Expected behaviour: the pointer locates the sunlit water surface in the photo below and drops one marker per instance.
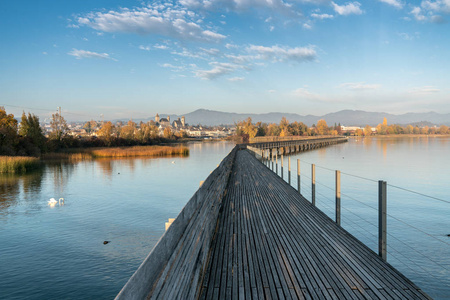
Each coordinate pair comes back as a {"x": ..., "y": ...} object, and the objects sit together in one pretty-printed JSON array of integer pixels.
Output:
[
  {"x": 418, "y": 226},
  {"x": 58, "y": 252}
]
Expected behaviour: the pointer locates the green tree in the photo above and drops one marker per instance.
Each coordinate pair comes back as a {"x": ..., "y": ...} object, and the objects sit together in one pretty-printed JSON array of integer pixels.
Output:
[
  {"x": 8, "y": 133},
  {"x": 30, "y": 128}
]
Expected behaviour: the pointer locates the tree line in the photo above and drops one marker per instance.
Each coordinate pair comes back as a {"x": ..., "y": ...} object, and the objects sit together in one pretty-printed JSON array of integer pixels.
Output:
[
  {"x": 246, "y": 129},
  {"x": 28, "y": 138}
]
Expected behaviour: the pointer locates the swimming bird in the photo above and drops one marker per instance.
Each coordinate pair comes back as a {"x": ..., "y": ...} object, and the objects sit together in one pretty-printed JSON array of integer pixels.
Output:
[
  {"x": 105, "y": 242},
  {"x": 173, "y": 162},
  {"x": 52, "y": 202},
  {"x": 61, "y": 199}
]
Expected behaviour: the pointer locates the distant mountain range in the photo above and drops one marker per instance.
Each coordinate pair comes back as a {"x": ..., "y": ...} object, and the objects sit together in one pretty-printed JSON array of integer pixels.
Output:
[{"x": 344, "y": 117}]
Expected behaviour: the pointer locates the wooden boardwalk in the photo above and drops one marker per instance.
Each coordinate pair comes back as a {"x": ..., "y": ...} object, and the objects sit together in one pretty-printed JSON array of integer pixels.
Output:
[{"x": 271, "y": 243}]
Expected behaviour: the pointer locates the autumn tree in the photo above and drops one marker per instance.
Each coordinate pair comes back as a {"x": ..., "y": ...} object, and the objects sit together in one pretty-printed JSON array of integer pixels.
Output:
[
  {"x": 284, "y": 127},
  {"x": 168, "y": 134},
  {"x": 127, "y": 131},
  {"x": 106, "y": 133},
  {"x": 443, "y": 129},
  {"x": 367, "y": 130},
  {"x": 90, "y": 126},
  {"x": 246, "y": 128},
  {"x": 59, "y": 127},
  {"x": 273, "y": 130},
  {"x": 322, "y": 127}
]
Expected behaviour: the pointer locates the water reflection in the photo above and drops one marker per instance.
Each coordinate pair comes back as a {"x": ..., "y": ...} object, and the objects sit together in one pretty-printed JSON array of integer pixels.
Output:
[{"x": 12, "y": 186}]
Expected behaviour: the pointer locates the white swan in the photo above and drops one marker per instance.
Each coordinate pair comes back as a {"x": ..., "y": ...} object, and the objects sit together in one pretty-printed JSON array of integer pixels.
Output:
[{"x": 52, "y": 202}]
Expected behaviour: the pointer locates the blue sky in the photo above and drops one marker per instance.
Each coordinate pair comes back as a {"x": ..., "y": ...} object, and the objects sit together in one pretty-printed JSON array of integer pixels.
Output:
[{"x": 133, "y": 59}]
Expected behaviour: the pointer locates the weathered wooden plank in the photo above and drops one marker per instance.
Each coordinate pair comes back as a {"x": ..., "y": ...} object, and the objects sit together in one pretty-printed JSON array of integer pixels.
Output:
[{"x": 270, "y": 243}]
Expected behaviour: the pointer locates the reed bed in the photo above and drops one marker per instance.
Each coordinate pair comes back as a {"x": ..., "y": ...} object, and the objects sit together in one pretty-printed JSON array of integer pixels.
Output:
[
  {"x": 18, "y": 164},
  {"x": 118, "y": 152},
  {"x": 141, "y": 151}
]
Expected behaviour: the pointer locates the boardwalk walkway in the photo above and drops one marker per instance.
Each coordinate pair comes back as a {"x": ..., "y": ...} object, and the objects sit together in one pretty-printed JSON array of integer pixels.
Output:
[{"x": 272, "y": 243}]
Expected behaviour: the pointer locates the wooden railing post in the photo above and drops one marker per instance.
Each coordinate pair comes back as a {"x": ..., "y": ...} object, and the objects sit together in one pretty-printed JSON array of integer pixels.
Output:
[
  {"x": 382, "y": 230},
  {"x": 273, "y": 167},
  {"x": 313, "y": 184},
  {"x": 276, "y": 162},
  {"x": 338, "y": 197},
  {"x": 298, "y": 176},
  {"x": 282, "y": 169},
  {"x": 289, "y": 170}
]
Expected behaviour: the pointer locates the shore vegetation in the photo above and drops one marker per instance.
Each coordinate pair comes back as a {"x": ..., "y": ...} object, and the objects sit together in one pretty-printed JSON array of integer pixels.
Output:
[{"x": 18, "y": 164}]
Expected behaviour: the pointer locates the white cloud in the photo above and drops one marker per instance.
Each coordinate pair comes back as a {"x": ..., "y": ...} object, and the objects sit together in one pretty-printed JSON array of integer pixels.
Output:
[
  {"x": 348, "y": 9},
  {"x": 322, "y": 16},
  {"x": 172, "y": 67},
  {"x": 439, "y": 6},
  {"x": 360, "y": 86},
  {"x": 307, "y": 26},
  {"x": 304, "y": 93},
  {"x": 218, "y": 69},
  {"x": 241, "y": 5},
  {"x": 277, "y": 53},
  {"x": 211, "y": 51},
  {"x": 146, "y": 48},
  {"x": 394, "y": 3},
  {"x": 271, "y": 91},
  {"x": 160, "y": 47},
  {"x": 424, "y": 90},
  {"x": 79, "y": 54},
  {"x": 159, "y": 19},
  {"x": 44, "y": 53},
  {"x": 236, "y": 79},
  {"x": 417, "y": 13}
]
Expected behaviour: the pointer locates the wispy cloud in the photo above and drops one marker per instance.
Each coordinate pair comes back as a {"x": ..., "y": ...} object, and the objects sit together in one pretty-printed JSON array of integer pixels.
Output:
[
  {"x": 394, "y": 3},
  {"x": 157, "y": 18},
  {"x": 350, "y": 8},
  {"x": 218, "y": 69},
  {"x": 322, "y": 16},
  {"x": 306, "y": 94},
  {"x": 79, "y": 54},
  {"x": 278, "y": 53},
  {"x": 359, "y": 86},
  {"x": 236, "y": 79},
  {"x": 242, "y": 5},
  {"x": 424, "y": 90}
]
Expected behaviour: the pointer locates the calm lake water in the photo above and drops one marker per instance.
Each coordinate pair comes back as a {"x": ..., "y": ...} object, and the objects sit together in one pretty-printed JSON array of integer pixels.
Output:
[{"x": 58, "y": 252}]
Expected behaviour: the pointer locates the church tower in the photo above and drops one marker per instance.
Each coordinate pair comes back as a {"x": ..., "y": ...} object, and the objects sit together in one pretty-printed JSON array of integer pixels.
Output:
[
  {"x": 157, "y": 118},
  {"x": 183, "y": 121}
]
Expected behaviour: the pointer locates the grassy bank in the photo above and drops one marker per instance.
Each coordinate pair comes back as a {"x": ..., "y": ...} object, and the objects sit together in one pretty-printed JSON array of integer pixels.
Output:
[
  {"x": 116, "y": 152},
  {"x": 18, "y": 164}
]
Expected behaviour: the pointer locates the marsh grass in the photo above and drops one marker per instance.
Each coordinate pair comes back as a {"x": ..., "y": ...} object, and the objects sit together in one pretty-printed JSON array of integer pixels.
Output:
[
  {"x": 18, "y": 164},
  {"x": 116, "y": 152}
]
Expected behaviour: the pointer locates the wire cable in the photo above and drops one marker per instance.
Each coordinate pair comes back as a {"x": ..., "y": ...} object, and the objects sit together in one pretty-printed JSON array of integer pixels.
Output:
[{"x": 417, "y": 193}]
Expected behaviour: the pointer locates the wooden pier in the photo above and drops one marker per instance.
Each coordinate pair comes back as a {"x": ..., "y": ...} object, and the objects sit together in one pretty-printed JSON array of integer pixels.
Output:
[{"x": 250, "y": 235}]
